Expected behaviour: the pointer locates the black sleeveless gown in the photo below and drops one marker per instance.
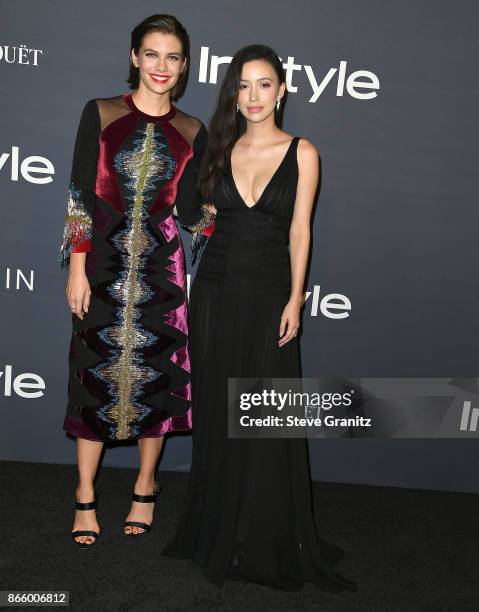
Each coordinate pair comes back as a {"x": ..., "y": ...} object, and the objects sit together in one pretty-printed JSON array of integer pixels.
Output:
[{"x": 248, "y": 508}]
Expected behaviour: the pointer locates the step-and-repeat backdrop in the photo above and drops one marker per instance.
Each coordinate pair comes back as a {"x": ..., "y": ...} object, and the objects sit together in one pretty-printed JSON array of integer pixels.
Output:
[{"x": 386, "y": 90}]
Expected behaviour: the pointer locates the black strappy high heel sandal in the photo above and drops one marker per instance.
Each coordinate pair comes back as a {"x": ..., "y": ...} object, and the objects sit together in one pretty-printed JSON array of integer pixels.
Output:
[
  {"x": 84, "y": 532},
  {"x": 145, "y": 499}
]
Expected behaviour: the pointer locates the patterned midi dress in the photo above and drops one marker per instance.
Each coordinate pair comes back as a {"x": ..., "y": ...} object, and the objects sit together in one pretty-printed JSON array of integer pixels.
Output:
[{"x": 129, "y": 364}]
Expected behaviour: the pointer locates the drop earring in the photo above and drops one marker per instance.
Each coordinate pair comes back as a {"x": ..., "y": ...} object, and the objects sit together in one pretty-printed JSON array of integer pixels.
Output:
[
  {"x": 277, "y": 103},
  {"x": 237, "y": 107}
]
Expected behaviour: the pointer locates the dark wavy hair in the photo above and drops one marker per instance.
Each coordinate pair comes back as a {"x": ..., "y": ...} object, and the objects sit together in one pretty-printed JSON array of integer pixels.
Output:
[
  {"x": 227, "y": 125},
  {"x": 167, "y": 24}
]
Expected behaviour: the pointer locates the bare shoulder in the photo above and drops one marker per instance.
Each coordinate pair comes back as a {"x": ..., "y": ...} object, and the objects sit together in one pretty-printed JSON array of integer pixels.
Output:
[
  {"x": 309, "y": 160},
  {"x": 308, "y": 152}
]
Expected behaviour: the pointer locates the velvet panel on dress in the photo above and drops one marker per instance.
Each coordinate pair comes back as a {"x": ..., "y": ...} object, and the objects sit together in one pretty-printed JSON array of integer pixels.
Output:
[{"x": 129, "y": 359}]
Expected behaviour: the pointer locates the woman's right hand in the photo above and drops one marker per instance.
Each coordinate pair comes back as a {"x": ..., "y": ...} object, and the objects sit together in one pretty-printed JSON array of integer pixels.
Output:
[{"x": 78, "y": 289}]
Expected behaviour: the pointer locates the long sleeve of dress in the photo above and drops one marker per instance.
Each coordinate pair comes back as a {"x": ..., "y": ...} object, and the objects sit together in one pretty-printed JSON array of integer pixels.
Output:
[
  {"x": 191, "y": 214},
  {"x": 81, "y": 194}
]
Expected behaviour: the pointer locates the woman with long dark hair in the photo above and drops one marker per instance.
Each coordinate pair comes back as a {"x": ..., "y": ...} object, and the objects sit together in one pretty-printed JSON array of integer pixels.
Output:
[
  {"x": 248, "y": 506},
  {"x": 129, "y": 359}
]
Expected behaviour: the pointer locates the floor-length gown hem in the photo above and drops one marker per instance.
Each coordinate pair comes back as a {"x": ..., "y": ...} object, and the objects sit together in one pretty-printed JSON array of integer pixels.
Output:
[{"x": 248, "y": 509}]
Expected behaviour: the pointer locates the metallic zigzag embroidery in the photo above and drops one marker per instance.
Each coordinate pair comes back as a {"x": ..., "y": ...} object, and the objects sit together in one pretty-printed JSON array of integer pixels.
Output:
[{"x": 142, "y": 169}]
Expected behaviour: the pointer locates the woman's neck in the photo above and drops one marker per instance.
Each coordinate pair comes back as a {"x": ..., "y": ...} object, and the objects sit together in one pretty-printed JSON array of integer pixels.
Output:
[
  {"x": 257, "y": 134},
  {"x": 151, "y": 103}
]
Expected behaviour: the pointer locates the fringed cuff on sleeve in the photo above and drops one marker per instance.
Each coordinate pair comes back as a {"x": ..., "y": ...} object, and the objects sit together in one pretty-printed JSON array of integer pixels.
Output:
[
  {"x": 77, "y": 230},
  {"x": 202, "y": 230},
  {"x": 207, "y": 219}
]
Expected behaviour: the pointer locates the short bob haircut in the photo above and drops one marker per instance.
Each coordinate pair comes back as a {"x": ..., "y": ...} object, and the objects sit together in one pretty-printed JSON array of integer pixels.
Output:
[{"x": 167, "y": 24}]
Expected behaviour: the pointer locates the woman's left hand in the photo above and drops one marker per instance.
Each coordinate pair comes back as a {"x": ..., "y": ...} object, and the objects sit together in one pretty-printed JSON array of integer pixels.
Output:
[{"x": 289, "y": 325}]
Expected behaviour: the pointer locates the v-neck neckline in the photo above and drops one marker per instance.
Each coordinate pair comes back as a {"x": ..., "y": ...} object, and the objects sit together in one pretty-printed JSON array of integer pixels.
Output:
[{"x": 267, "y": 184}]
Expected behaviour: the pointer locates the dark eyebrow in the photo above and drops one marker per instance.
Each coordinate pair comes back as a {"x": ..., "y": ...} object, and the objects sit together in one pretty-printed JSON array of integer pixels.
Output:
[
  {"x": 261, "y": 79},
  {"x": 170, "y": 53}
]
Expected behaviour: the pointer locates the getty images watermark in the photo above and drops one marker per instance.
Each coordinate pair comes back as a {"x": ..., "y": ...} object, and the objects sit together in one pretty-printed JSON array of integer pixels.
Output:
[{"x": 353, "y": 407}]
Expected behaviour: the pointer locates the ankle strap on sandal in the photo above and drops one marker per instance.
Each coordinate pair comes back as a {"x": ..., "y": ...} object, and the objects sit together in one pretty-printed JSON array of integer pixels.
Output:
[
  {"x": 146, "y": 499},
  {"x": 86, "y": 506}
]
